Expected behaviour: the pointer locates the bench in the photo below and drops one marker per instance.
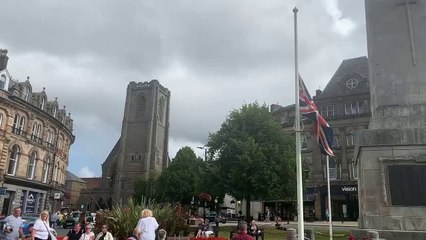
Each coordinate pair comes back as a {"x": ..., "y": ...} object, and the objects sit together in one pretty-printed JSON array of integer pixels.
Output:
[{"x": 194, "y": 229}]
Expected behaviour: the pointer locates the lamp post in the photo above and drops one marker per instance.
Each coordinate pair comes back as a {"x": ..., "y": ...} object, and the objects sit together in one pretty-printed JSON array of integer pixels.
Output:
[
  {"x": 205, "y": 205},
  {"x": 205, "y": 151},
  {"x": 215, "y": 204}
]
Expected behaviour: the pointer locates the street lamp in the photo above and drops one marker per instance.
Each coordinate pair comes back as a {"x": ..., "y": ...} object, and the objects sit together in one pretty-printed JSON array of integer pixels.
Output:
[
  {"x": 215, "y": 204},
  {"x": 205, "y": 151}
]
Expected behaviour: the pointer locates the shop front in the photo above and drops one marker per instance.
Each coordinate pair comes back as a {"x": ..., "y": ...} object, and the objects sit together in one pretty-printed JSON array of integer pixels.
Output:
[{"x": 344, "y": 202}]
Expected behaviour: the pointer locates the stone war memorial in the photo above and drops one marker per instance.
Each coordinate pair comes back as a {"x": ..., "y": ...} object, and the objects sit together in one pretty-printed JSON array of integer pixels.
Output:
[{"x": 391, "y": 154}]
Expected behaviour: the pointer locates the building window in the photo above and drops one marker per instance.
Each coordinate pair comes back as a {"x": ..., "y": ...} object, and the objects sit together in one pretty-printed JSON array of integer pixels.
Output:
[
  {"x": 161, "y": 106},
  {"x": 335, "y": 169},
  {"x": 60, "y": 143},
  {"x": 141, "y": 106},
  {"x": 46, "y": 165},
  {"x": 42, "y": 103},
  {"x": 3, "y": 82},
  {"x": 31, "y": 165},
  {"x": 55, "y": 173},
  {"x": 1, "y": 119},
  {"x": 354, "y": 171},
  {"x": 13, "y": 160},
  {"x": 18, "y": 124},
  {"x": 354, "y": 108},
  {"x": 350, "y": 139},
  {"x": 329, "y": 110},
  {"x": 336, "y": 141},
  {"x": 49, "y": 136},
  {"x": 38, "y": 133},
  {"x": 352, "y": 83},
  {"x": 34, "y": 132},
  {"x": 26, "y": 93}
]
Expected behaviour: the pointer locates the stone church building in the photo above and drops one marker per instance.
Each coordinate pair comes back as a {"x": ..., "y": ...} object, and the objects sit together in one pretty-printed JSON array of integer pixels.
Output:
[{"x": 143, "y": 146}]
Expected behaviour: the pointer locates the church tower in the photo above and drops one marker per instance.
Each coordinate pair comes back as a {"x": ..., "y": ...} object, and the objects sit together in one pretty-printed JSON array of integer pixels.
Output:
[{"x": 143, "y": 146}]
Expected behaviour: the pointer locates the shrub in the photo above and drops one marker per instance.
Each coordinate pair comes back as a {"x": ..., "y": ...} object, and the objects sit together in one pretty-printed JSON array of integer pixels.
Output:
[{"x": 123, "y": 219}]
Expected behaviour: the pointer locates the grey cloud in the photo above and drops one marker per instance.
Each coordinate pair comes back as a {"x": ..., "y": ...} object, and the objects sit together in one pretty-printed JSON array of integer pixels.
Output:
[{"x": 212, "y": 55}]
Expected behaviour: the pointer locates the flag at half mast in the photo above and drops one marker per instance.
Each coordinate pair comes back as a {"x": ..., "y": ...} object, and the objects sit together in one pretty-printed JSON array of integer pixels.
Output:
[{"x": 322, "y": 130}]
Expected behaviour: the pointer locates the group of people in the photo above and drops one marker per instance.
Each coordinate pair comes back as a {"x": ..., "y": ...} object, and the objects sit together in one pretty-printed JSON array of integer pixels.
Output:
[{"x": 41, "y": 230}]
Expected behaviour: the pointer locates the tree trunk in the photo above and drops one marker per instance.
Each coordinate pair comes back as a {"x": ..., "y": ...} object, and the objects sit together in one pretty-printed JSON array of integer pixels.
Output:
[{"x": 248, "y": 200}]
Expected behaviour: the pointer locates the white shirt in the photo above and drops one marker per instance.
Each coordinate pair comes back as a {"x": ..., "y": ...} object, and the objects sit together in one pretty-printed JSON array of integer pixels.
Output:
[
  {"x": 147, "y": 226},
  {"x": 41, "y": 228},
  {"x": 16, "y": 223},
  {"x": 87, "y": 236}
]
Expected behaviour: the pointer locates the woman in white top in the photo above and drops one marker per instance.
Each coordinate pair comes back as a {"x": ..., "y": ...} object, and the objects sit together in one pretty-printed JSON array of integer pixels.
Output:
[
  {"x": 41, "y": 228},
  {"x": 147, "y": 225},
  {"x": 104, "y": 234},
  {"x": 88, "y": 234}
]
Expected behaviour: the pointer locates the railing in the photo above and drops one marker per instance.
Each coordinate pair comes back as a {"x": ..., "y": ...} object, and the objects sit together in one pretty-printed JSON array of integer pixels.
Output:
[
  {"x": 18, "y": 131},
  {"x": 36, "y": 139}
]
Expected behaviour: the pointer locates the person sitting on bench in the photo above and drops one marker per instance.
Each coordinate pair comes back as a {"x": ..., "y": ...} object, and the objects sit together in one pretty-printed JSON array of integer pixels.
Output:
[
  {"x": 205, "y": 229},
  {"x": 254, "y": 229}
]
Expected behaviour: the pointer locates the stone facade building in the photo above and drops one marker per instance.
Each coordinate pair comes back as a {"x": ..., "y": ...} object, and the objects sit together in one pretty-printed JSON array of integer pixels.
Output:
[
  {"x": 35, "y": 139},
  {"x": 73, "y": 187},
  {"x": 345, "y": 104},
  {"x": 142, "y": 149}
]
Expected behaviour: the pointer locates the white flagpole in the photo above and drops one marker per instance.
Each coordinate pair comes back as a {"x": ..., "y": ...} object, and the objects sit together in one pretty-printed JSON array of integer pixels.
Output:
[
  {"x": 301, "y": 230},
  {"x": 329, "y": 199}
]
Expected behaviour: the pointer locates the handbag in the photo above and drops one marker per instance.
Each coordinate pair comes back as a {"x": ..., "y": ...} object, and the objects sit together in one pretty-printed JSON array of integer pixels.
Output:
[{"x": 50, "y": 236}]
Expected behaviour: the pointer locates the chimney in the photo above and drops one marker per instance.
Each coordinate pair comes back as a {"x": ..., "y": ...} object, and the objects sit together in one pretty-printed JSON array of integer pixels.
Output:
[
  {"x": 318, "y": 92},
  {"x": 274, "y": 107},
  {"x": 3, "y": 59}
]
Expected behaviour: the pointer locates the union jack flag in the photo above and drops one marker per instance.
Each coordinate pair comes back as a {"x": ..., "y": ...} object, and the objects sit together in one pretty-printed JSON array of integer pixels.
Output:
[{"x": 322, "y": 130}]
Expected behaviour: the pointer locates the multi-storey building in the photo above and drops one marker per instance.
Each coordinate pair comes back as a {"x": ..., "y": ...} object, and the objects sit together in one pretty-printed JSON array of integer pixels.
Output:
[
  {"x": 35, "y": 139},
  {"x": 345, "y": 104}
]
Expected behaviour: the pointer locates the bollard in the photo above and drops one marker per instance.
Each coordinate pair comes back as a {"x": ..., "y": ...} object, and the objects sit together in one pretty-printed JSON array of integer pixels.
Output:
[
  {"x": 309, "y": 233},
  {"x": 372, "y": 235},
  {"x": 291, "y": 234}
]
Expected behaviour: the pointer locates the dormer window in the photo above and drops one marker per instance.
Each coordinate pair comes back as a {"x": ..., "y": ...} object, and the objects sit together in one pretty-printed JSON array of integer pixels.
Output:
[
  {"x": 54, "y": 111},
  {"x": 26, "y": 93},
  {"x": 3, "y": 81},
  {"x": 42, "y": 103}
]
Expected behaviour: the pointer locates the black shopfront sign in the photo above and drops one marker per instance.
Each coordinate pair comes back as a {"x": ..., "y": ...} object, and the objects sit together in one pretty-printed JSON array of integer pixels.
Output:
[{"x": 341, "y": 189}]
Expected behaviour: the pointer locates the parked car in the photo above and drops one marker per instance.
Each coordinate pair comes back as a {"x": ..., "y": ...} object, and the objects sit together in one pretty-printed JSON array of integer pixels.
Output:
[
  {"x": 73, "y": 218},
  {"x": 211, "y": 216},
  {"x": 28, "y": 222}
]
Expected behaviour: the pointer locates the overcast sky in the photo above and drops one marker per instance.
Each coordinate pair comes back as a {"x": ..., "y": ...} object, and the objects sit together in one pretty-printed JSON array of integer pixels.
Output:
[{"x": 213, "y": 55}]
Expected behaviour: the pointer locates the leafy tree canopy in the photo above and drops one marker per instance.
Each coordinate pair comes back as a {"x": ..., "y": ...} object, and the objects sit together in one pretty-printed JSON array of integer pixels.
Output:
[
  {"x": 178, "y": 182},
  {"x": 256, "y": 160}
]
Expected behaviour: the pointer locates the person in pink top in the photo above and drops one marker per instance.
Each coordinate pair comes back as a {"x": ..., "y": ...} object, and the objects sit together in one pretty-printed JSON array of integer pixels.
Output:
[{"x": 147, "y": 225}]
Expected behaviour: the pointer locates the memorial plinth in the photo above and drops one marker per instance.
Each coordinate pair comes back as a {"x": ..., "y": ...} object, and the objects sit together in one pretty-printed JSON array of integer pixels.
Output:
[{"x": 391, "y": 154}]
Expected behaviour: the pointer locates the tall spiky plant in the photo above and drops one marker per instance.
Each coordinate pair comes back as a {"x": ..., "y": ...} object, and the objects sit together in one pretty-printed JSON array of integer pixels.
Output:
[{"x": 123, "y": 219}]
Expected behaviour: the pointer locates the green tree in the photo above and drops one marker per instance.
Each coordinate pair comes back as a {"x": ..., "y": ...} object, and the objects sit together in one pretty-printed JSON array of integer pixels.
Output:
[
  {"x": 146, "y": 188},
  {"x": 178, "y": 182},
  {"x": 256, "y": 160}
]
